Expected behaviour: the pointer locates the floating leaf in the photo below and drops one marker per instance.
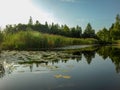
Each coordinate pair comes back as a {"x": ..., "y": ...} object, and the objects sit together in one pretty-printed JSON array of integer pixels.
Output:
[
  {"x": 62, "y": 76},
  {"x": 66, "y": 77},
  {"x": 58, "y": 76}
]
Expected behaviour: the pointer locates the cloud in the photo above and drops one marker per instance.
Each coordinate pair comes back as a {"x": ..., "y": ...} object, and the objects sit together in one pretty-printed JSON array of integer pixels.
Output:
[{"x": 19, "y": 11}]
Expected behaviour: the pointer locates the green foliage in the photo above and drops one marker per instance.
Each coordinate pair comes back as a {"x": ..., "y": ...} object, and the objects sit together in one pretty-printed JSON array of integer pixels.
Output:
[
  {"x": 55, "y": 29},
  {"x": 21, "y": 40},
  {"x": 30, "y": 21},
  {"x": 104, "y": 36},
  {"x": 112, "y": 35},
  {"x": 76, "y": 32},
  {"x": 89, "y": 32},
  {"x": 115, "y": 29},
  {"x": 29, "y": 40},
  {"x": 66, "y": 30},
  {"x": 1, "y": 37},
  {"x": 116, "y": 42}
]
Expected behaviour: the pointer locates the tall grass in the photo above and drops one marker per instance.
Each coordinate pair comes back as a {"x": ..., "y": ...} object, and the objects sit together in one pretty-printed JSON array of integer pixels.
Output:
[
  {"x": 29, "y": 40},
  {"x": 116, "y": 42}
]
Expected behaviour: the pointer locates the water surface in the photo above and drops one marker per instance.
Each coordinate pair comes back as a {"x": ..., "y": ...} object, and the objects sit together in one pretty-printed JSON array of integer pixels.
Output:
[{"x": 90, "y": 68}]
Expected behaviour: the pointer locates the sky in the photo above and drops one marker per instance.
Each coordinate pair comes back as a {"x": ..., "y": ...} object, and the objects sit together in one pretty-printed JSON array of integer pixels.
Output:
[{"x": 100, "y": 13}]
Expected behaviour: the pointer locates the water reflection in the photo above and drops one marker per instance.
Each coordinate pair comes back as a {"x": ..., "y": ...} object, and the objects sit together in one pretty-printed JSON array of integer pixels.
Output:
[
  {"x": 49, "y": 59},
  {"x": 111, "y": 52},
  {"x": 2, "y": 70}
]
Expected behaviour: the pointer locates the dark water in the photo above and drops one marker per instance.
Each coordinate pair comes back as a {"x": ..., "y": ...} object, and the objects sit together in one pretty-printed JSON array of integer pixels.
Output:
[{"x": 91, "y": 68}]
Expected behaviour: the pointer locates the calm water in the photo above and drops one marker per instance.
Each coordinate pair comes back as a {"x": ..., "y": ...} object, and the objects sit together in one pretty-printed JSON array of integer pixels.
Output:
[{"x": 91, "y": 68}]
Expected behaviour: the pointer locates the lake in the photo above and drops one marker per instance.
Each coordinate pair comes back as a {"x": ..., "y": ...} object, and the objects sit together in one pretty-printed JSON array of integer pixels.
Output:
[{"x": 87, "y": 68}]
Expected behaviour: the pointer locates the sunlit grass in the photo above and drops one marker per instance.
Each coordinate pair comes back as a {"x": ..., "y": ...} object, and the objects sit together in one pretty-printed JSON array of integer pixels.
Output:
[
  {"x": 27, "y": 40},
  {"x": 117, "y": 42}
]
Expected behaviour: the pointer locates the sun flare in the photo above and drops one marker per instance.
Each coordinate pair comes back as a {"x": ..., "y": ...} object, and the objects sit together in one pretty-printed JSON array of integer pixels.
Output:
[{"x": 19, "y": 11}]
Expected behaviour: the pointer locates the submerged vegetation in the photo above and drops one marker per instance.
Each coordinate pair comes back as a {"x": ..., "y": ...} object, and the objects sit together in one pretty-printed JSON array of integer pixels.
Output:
[
  {"x": 37, "y": 36},
  {"x": 50, "y": 59}
]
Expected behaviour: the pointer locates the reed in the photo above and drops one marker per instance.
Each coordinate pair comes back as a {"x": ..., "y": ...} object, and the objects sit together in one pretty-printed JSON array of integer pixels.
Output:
[{"x": 26, "y": 40}]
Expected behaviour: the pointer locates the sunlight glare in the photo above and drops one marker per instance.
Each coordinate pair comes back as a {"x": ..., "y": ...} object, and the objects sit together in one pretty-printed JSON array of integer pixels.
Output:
[{"x": 19, "y": 11}]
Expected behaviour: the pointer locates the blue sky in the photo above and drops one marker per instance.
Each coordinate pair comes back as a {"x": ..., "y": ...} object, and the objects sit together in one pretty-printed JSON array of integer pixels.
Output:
[{"x": 100, "y": 13}]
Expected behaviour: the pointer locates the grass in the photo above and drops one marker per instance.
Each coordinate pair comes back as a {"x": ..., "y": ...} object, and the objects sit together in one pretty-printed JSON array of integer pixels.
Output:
[
  {"x": 117, "y": 42},
  {"x": 32, "y": 40}
]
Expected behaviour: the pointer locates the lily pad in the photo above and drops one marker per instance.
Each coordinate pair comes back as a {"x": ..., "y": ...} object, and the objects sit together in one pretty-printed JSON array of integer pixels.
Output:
[
  {"x": 66, "y": 77},
  {"x": 58, "y": 76},
  {"x": 62, "y": 76}
]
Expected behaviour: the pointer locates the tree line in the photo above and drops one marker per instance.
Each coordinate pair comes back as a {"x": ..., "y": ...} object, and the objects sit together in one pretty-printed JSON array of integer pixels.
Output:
[
  {"x": 109, "y": 35},
  {"x": 104, "y": 35},
  {"x": 64, "y": 30}
]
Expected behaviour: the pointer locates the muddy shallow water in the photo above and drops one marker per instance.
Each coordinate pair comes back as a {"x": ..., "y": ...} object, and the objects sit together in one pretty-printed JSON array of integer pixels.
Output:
[{"x": 92, "y": 68}]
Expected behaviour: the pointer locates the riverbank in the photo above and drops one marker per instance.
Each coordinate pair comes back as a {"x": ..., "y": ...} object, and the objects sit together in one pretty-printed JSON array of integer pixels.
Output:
[{"x": 33, "y": 40}]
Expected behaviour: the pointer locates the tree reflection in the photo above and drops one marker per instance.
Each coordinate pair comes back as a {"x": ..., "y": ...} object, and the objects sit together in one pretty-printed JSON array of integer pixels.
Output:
[
  {"x": 115, "y": 57},
  {"x": 77, "y": 55},
  {"x": 64, "y": 57},
  {"x": 50, "y": 61},
  {"x": 2, "y": 70},
  {"x": 89, "y": 55},
  {"x": 104, "y": 51},
  {"x": 113, "y": 53},
  {"x": 31, "y": 67}
]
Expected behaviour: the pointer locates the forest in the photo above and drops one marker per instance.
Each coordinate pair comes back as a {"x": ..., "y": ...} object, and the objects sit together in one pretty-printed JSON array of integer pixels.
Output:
[{"x": 39, "y": 36}]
